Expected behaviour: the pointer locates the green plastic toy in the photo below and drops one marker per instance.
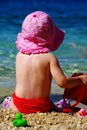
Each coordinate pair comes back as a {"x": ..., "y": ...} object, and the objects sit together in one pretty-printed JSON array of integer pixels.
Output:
[
  {"x": 19, "y": 121},
  {"x": 18, "y": 116}
]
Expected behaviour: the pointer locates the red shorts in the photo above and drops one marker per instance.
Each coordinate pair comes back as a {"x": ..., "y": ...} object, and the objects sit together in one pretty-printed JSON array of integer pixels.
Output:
[{"x": 27, "y": 106}]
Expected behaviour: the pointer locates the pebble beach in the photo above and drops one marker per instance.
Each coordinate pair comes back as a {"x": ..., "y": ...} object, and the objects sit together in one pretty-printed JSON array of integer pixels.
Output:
[{"x": 44, "y": 121}]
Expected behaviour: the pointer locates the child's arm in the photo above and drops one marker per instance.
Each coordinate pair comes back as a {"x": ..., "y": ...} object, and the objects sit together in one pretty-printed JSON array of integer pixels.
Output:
[
  {"x": 75, "y": 81},
  {"x": 61, "y": 79}
]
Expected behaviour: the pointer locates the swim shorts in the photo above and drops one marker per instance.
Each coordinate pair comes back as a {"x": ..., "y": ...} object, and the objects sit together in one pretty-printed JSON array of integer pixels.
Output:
[{"x": 27, "y": 106}]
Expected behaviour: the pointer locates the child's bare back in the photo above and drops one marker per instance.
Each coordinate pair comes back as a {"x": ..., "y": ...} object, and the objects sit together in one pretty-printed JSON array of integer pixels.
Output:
[{"x": 33, "y": 75}]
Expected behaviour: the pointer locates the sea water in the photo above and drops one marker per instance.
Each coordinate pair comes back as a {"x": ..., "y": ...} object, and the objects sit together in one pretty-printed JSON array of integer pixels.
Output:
[{"x": 71, "y": 16}]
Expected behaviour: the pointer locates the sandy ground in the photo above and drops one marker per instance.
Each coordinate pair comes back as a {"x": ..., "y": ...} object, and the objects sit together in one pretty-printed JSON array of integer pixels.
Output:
[{"x": 44, "y": 121}]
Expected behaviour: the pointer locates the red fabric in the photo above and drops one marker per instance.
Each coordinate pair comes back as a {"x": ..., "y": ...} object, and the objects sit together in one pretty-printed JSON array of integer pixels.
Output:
[
  {"x": 27, "y": 106},
  {"x": 78, "y": 93}
]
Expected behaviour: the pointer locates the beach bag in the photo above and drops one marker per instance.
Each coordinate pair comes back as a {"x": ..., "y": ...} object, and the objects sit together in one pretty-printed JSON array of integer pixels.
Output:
[{"x": 78, "y": 93}]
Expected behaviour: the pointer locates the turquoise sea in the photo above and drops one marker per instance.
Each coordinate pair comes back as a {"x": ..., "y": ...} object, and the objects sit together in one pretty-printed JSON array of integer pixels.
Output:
[{"x": 68, "y": 15}]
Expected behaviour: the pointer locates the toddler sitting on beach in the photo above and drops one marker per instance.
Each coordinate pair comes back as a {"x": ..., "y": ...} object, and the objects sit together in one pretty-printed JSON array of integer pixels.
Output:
[{"x": 36, "y": 66}]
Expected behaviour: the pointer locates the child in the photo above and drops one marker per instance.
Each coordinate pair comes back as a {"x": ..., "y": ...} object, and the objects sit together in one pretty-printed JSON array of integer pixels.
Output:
[{"x": 36, "y": 66}]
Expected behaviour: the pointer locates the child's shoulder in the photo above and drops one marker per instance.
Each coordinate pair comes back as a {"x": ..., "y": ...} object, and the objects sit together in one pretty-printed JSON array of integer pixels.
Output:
[{"x": 51, "y": 55}]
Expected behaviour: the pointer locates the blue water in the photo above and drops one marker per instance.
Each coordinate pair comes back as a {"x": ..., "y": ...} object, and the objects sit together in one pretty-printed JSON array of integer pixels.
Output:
[{"x": 68, "y": 15}]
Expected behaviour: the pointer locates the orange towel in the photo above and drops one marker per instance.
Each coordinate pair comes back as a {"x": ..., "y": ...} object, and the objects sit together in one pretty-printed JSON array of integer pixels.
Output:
[{"x": 27, "y": 106}]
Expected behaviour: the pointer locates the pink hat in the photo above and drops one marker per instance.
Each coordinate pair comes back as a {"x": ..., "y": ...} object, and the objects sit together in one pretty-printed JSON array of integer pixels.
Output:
[{"x": 39, "y": 34}]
